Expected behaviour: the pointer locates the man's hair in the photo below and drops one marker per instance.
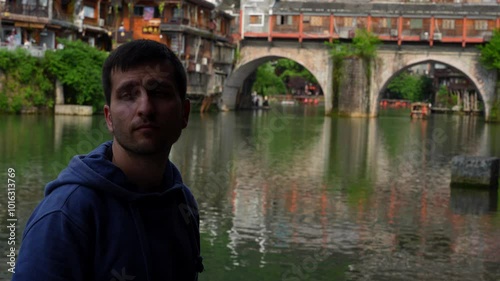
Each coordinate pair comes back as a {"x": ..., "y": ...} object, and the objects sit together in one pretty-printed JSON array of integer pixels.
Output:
[{"x": 140, "y": 52}]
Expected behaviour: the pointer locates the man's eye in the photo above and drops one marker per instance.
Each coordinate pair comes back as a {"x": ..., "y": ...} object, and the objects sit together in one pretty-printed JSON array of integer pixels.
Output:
[
  {"x": 126, "y": 96},
  {"x": 162, "y": 92}
]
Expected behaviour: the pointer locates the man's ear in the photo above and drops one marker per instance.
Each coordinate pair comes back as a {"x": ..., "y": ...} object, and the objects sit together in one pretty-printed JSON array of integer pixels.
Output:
[
  {"x": 107, "y": 116},
  {"x": 186, "y": 106}
]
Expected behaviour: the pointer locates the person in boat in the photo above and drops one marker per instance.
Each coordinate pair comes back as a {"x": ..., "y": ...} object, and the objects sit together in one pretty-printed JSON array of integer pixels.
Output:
[
  {"x": 122, "y": 212},
  {"x": 266, "y": 101}
]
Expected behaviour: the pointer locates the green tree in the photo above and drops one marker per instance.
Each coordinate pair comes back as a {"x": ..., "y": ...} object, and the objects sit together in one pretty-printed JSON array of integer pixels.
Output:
[
  {"x": 267, "y": 82},
  {"x": 286, "y": 69},
  {"x": 365, "y": 44},
  {"x": 78, "y": 66},
  {"x": 410, "y": 87},
  {"x": 490, "y": 52},
  {"x": 25, "y": 83},
  {"x": 490, "y": 58}
]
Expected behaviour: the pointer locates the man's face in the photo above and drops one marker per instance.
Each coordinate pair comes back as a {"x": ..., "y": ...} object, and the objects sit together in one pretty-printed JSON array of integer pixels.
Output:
[{"x": 146, "y": 114}]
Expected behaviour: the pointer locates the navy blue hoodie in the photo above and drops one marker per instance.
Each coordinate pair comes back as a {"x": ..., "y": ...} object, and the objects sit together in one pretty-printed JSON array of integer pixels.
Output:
[{"x": 92, "y": 225}]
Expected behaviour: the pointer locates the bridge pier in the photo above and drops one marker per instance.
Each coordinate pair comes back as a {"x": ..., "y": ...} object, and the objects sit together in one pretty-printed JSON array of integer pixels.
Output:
[
  {"x": 229, "y": 98},
  {"x": 354, "y": 91}
]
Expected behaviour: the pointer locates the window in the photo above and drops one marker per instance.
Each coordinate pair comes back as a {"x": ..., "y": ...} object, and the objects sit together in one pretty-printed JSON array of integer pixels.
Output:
[
  {"x": 306, "y": 19},
  {"x": 349, "y": 22},
  {"x": 88, "y": 12},
  {"x": 416, "y": 23},
  {"x": 316, "y": 21},
  {"x": 196, "y": 79},
  {"x": 256, "y": 19},
  {"x": 284, "y": 20},
  {"x": 138, "y": 10},
  {"x": 449, "y": 24},
  {"x": 386, "y": 22},
  {"x": 481, "y": 25},
  {"x": 178, "y": 13}
]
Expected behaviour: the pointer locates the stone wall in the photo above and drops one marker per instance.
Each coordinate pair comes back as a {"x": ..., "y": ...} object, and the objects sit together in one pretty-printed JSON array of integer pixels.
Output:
[
  {"x": 354, "y": 99},
  {"x": 70, "y": 109}
]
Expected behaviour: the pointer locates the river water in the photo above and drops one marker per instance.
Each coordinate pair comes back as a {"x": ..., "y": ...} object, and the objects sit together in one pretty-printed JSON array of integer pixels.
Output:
[{"x": 288, "y": 194}]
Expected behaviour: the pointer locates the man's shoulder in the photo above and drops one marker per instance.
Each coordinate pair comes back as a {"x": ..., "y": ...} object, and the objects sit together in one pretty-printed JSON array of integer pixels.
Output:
[
  {"x": 75, "y": 202},
  {"x": 68, "y": 197}
]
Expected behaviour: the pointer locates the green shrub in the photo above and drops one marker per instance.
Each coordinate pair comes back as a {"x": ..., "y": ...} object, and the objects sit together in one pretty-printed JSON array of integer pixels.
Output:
[
  {"x": 25, "y": 82},
  {"x": 78, "y": 66}
]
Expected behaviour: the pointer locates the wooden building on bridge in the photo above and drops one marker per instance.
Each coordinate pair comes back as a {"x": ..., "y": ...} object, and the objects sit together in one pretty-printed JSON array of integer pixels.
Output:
[{"x": 404, "y": 21}]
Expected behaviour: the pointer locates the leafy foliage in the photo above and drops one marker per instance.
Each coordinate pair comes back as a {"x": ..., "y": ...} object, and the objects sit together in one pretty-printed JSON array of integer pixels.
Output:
[
  {"x": 25, "y": 83},
  {"x": 365, "y": 44},
  {"x": 287, "y": 69},
  {"x": 267, "y": 82},
  {"x": 78, "y": 66},
  {"x": 490, "y": 58},
  {"x": 410, "y": 87},
  {"x": 444, "y": 98},
  {"x": 490, "y": 53}
]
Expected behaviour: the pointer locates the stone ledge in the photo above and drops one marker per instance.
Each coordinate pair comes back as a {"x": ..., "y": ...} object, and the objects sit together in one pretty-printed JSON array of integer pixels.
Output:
[
  {"x": 72, "y": 109},
  {"x": 475, "y": 171}
]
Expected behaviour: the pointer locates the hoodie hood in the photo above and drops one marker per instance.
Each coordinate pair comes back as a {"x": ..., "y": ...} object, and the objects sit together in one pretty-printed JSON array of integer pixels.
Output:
[{"x": 96, "y": 171}]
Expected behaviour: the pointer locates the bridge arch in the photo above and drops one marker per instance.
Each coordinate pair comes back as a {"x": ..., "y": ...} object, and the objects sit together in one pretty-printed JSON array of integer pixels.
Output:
[
  {"x": 315, "y": 60},
  {"x": 390, "y": 64}
]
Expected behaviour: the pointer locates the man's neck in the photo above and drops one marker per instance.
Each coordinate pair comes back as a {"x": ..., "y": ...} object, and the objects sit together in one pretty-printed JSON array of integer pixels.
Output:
[{"x": 145, "y": 171}]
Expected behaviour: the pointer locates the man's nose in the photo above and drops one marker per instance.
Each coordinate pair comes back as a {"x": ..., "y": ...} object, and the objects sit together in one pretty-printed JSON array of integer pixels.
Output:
[{"x": 145, "y": 102}]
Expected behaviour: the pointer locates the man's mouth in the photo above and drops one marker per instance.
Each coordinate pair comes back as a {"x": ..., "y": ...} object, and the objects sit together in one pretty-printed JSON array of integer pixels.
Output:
[{"x": 147, "y": 126}]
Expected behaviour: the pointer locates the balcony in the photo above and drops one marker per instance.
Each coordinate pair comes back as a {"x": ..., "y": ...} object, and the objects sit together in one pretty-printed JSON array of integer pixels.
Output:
[
  {"x": 200, "y": 67},
  {"x": 177, "y": 25},
  {"x": 27, "y": 10},
  {"x": 35, "y": 51}
]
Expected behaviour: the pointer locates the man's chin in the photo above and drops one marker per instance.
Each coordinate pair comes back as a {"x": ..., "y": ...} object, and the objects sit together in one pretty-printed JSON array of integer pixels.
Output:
[{"x": 146, "y": 148}]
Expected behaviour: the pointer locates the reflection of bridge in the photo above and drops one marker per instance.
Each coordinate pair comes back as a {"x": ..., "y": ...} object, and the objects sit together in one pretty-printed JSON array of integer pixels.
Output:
[{"x": 411, "y": 34}]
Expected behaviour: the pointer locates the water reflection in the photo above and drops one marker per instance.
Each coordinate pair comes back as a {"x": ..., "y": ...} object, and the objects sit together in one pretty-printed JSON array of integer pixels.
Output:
[
  {"x": 67, "y": 126},
  {"x": 288, "y": 194},
  {"x": 473, "y": 201}
]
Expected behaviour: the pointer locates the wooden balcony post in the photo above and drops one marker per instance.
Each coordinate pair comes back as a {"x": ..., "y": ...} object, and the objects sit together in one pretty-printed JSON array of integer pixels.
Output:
[
  {"x": 301, "y": 26},
  {"x": 271, "y": 24},
  {"x": 464, "y": 32},
  {"x": 369, "y": 23},
  {"x": 431, "y": 31},
  {"x": 331, "y": 28},
  {"x": 242, "y": 29},
  {"x": 400, "y": 30}
]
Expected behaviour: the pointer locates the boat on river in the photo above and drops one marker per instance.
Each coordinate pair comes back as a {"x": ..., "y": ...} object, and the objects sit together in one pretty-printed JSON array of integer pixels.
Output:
[{"x": 420, "y": 110}]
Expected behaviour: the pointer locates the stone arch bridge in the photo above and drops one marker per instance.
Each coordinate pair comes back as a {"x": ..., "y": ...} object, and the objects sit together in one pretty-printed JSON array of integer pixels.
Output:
[{"x": 390, "y": 61}]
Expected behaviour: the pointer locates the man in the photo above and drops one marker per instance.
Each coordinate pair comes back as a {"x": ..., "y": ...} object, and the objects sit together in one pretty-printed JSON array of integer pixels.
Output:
[{"x": 122, "y": 212}]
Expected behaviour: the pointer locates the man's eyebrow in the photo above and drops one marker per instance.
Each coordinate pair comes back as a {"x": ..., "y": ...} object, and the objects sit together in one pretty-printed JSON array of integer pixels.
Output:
[
  {"x": 154, "y": 83},
  {"x": 126, "y": 85}
]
